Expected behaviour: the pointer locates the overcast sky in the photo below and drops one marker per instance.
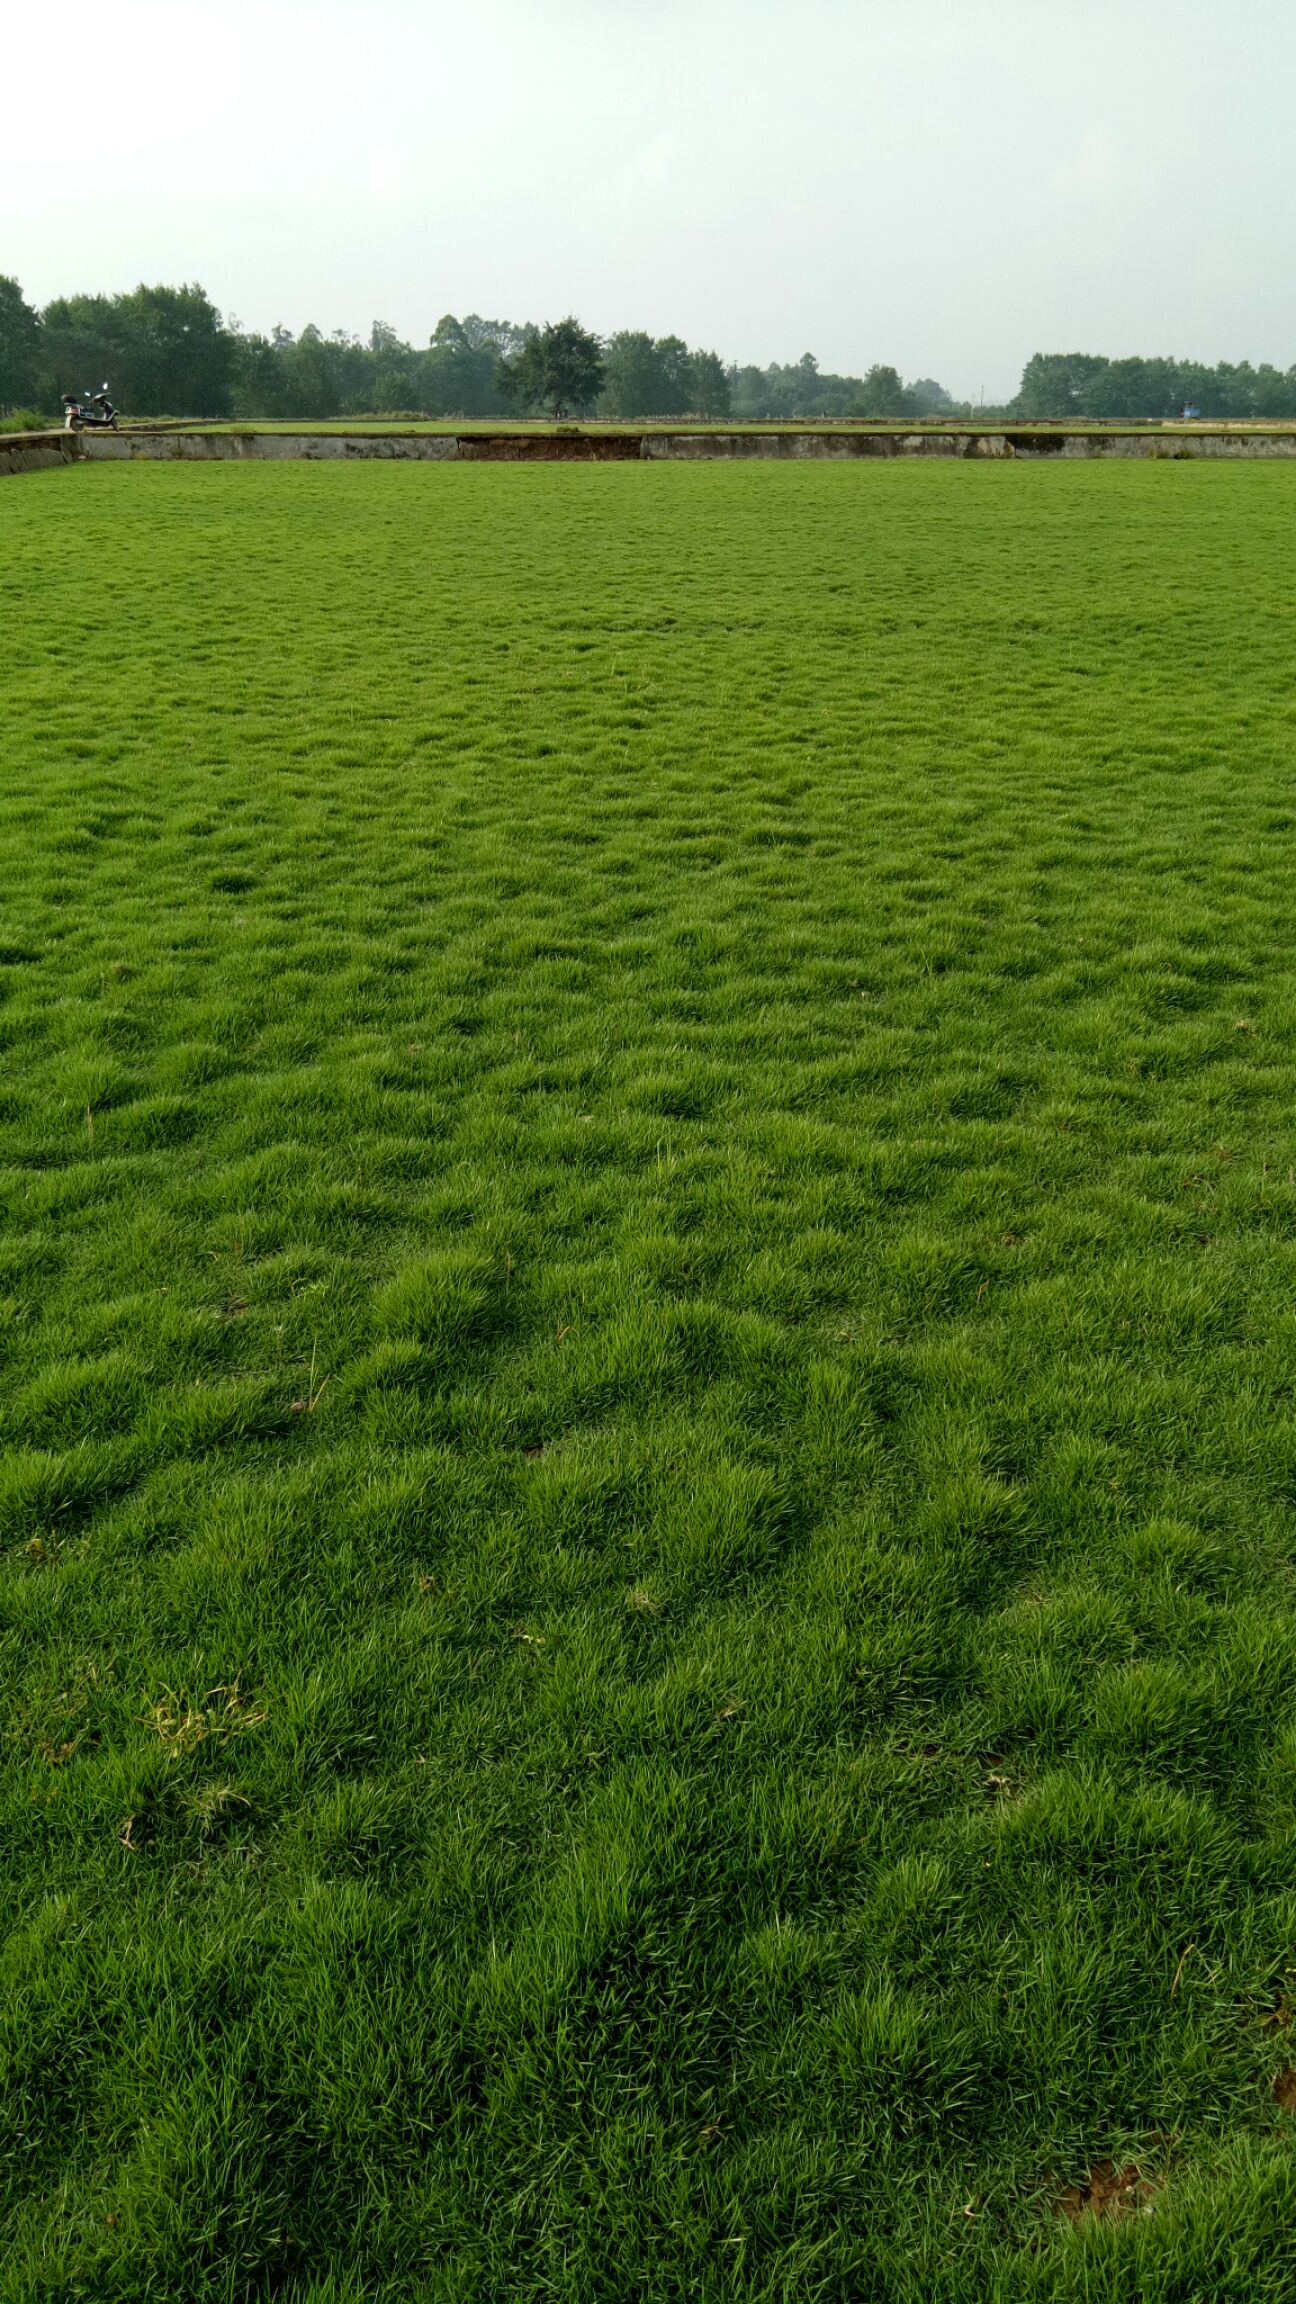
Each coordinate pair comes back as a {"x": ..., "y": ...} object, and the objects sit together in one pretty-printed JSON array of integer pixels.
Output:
[{"x": 948, "y": 185}]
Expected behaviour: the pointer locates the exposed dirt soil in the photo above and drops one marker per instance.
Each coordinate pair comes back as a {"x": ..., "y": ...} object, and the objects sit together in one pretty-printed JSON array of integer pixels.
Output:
[
  {"x": 1110, "y": 2192},
  {"x": 542, "y": 448}
]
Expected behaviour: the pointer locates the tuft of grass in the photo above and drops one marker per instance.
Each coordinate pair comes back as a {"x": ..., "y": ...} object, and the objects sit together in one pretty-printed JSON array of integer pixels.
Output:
[{"x": 647, "y": 1458}]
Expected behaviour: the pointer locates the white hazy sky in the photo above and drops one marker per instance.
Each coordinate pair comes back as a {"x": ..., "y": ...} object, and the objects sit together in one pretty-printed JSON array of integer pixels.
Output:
[{"x": 948, "y": 185}]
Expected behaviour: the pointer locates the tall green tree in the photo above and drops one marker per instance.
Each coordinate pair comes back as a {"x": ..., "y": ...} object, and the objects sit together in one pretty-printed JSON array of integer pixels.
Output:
[
  {"x": 675, "y": 368},
  {"x": 21, "y": 349},
  {"x": 929, "y": 398},
  {"x": 883, "y": 394},
  {"x": 649, "y": 376},
  {"x": 559, "y": 368},
  {"x": 458, "y": 372},
  {"x": 164, "y": 350},
  {"x": 326, "y": 375},
  {"x": 747, "y": 390},
  {"x": 711, "y": 396},
  {"x": 178, "y": 334},
  {"x": 391, "y": 375},
  {"x": 258, "y": 382},
  {"x": 1056, "y": 383},
  {"x": 1275, "y": 391},
  {"x": 632, "y": 379}
]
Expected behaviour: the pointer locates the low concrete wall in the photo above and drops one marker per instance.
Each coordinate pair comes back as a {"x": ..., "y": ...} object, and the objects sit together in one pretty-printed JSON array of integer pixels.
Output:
[
  {"x": 33, "y": 451},
  {"x": 800, "y": 447},
  {"x": 345, "y": 447},
  {"x": 36, "y": 451},
  {"x": 682, "y": 447},
  {"x": 1156, "y": 447},
  {"x": 261, "y": 447},
  {"x": 792, "y": 447}
]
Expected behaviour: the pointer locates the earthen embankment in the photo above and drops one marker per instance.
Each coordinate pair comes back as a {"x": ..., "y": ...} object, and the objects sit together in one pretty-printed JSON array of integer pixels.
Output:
[{"x": 37, "y": 451}]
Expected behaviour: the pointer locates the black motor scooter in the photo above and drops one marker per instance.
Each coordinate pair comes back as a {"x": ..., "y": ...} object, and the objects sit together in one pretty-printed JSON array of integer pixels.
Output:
[{"x": 89, "y": 411}]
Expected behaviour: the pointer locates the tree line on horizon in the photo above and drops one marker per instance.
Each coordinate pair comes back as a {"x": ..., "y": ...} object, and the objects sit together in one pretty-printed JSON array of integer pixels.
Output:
[
  {"x": 168, "y": 351},
  {"x": 1084, "y": 384}
]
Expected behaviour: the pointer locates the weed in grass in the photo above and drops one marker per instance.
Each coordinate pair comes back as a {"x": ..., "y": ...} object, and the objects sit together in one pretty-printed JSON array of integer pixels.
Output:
[{"x": 648, "y": 1468}]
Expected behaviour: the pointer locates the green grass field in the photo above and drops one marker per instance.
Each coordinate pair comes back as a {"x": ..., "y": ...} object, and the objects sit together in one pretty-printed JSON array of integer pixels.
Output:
[{"x": 648, "y": 1499}]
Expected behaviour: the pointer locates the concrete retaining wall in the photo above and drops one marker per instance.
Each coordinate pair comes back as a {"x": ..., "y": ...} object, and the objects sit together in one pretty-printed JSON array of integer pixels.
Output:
[
  {"x": 33, "y": 451},
  {"x": 791, "y": 447},
  {"x": 260, "y": 447}
]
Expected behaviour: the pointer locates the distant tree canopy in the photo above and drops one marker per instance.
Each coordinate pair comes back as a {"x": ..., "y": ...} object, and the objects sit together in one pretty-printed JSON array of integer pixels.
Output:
[
  {"x": 659, "y": 376},
  {"x": 1083, "y": 384},
  {"x": 161, "y": 348},
  {"x": 559, "y": 367},
  {"x": 21, "y": 350},
  {"x": 168, "y": 352}
]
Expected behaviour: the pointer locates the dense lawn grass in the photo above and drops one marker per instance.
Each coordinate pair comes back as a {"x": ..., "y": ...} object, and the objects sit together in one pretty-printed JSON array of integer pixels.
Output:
[{"x": 648, "y": 1495}]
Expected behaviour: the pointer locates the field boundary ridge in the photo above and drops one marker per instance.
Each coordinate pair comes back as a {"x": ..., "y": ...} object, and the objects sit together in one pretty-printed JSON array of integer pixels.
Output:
[{"x": 37, "y": 451}]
